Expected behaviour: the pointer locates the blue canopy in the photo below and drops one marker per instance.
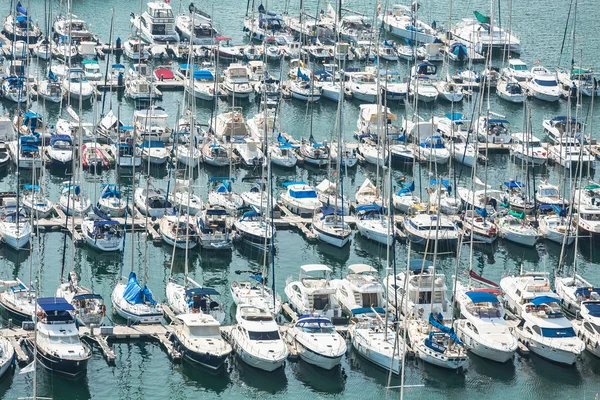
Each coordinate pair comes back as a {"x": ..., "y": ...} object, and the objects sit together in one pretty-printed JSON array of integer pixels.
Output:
[
  {"x": 459, "y": 50},
  {"x": 565, "y": 120},
  {"x": 587, "y": 291},
  {"x": 369, "y": 208},
  {"x": 106, "y": 222},
  {"x": 31, "y": 187},
  {"x": 224, "y": 188},
  {"x": 302, "y": 76},
  {"x": 118, "y": 66},
  {"x": 21, "y": 18},
  {"x": 433, "y": 142},
  {"x": 329, "y": 210},
  {"x": 559, "y": 210},
  {"x": 153, "y": 144},
  {"x": 444, "y": 328},
  {"x": 135, "y": 293},
  {"x": 415, "y": 265},
  {"x": 250, "y": 214},
  {"x": 558, "y": 332},
  {"x": 21, "y": 9},
  {"x": 257, "y": 278},
  {"x": 407, "y": 189},
  {"x": 203, "y": 74},
  {"x": 49, "y": 304},
  {"x": 513, "y": 184},
  {"x": 110, "y": 191},
  {"x": 482, "y": 297},
  {"x": 303, "y": 194},
  {"x": 87, "y": 296},
  {"x": 222, "y": 179},
  {"x": 366, "y": 310},
  {"x": 543, "y": 300},
  {"x": 444, "y": 182},
  {"x": 286, "y": 184},
  {"x": 60, "y": 138},
  {"x": 454, "y": 117},
  {"x": 202, "y": 291}
]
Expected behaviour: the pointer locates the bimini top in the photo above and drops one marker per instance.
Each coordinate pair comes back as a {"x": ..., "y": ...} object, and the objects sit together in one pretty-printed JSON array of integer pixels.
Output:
[
  {"x": 202, "y": 291},
  {"x": 315, "y": 267},
  {"x": 416, "y": 265},
  {"x": 87, "y": 296},
  {"x": 536, "y": 301},
  {"x": 50, "y": 304},
  {"x": 593, "y": 307},
  {"x": 360, "y": 268},
  {"x": 482, "y": 297}
]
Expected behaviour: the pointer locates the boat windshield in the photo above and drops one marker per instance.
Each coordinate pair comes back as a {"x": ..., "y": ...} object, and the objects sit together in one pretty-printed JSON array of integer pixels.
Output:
[
  {"x": 274, "y": 335},
  {"x": 546, "y": 82},
  {"x": 519, "y": 67},
  {"x": 549, "y": 192},
  {"x": 318, "y": 328},
  {"x": 558, "y": 332},
  {"x": 205, "y": 331},
  {"x": 64, "y": 339}
]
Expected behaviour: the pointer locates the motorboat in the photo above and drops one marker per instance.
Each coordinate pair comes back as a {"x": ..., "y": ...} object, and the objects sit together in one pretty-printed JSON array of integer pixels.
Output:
[
  {"x": 69, "y": 25},
  {"x": 300, "y": 198},
  {"x": 157, "y": 23},
  {"x": 313, "y": 295},
  {"x": 197, "y": 27},
  {"x": 102, "y": 233},
  {"x": 225, "y": 50},
  {"x": 202, "y": 85},
  {"x": 230, "y": 126},
  {"x": 152, "y": 202},
  {"x": 419, "y": 291},
  {"x": 213, "y": 228},
  {"x": 510, "y": 90},
  {"x": 528, "y": 148},
  {"x": 193, "y": 298},
  {"x": 135, "y": 49},
  {"x": 255, "y": 293},
  {"x": 140, "y": 89},
  {"x": 60, "y": 151},
  {"x": 549, "y": 194},
  {"x": 15, "y": 229},
  {"x": 481, "y": 325},
  {"x": 77, "y": 86},
  {"x": 515, "y": 228},
  {"x": 561, "y": 127},
  {"x": 256, "y": 339},
  {"x": 92, "y": 71},
  {"x": 314, "y": 153},
  {"x": 58, "y": 347},
  {"x": 427, "y": 228},
  {"x": 359, "y": 291},
  {"x": 198, "y": 339},
  {"x": 177, "y": 231},
  {"x": 135, "y": 302},
  {"x": 73, "y": 201},
  {"x": 18, "y": 299},
  {"x": 329, "y": 227},
  {"x": 373, "y": 223},
  {"x": 151, "y": 124},
  {"x": 349, "y": 155},
  {"x": 354, "y": 28},
  {"x": 516, "y": 70},
  {"x": 586, "y": 328},
  {"x": 317, "y": 341},
  {"x": 236, "y": 81},
  {"x": 481, "y": 35},
  {"x": 64, "y": 49},
  {"x": 154, "y": 152},
  {"x": 110, "y": 202},
  {"x": 543, "y": 84},
  {"x": 401, "y": 21},
  {"x": 371, "y": 115},
  {"x": 588, "y": 220},
  {"x": 363, "y": 86},
  {"x": 89, "y": 307},
  {"x": 573, "y": 290},
  {"x": 250, "y": 153}
]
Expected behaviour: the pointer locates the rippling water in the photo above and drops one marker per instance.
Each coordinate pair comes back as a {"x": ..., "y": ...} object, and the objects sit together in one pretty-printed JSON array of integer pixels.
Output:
[{"x": 143, "y": 371}]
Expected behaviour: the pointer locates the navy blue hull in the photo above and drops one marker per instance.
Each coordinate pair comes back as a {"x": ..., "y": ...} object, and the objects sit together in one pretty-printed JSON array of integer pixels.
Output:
[
  {"x": 206, "y": 360},
  {"x": 72, "y": 369}
]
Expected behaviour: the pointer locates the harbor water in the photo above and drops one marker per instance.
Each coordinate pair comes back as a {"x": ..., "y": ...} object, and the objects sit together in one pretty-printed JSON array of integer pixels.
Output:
[{"x": 144, "y": 371}]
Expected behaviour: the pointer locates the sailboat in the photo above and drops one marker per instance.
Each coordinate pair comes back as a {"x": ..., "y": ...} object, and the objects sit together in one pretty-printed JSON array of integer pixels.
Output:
[
  {"x": 89, "y": 308},
  {"x": 102, "y": 233},
  {"x": 135, "y": 302},
  {"x": 192, "y": 298}
]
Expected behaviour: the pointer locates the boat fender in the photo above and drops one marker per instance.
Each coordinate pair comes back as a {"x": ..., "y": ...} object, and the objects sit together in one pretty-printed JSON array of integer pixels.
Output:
[{"x": 103, "y": 310}]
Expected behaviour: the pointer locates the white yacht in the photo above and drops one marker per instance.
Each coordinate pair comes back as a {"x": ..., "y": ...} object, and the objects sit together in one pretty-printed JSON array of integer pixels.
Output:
[
  {"x": 515, "y": 228},
  {"x": 569, "y": 154},
  {"x": 192, "y": 298},
  {"x": 373, "y": 223},
  {"x": 312, "y": 295},
  {"x": 400, "y": 21},
  {"x": 151, "y": 124},
  {"x": 480, "y": 36},
  {"x": 35, "y": 202},
  {"x": 588, "y": 329},
  {"x": 157, "y": 23},
  {"x": 73, "y": 201},
  {"x": 15, "y": 228},
  {"x": 89, "y": 307},
  {"x": 103, "y": 234},
  {"x": 436, "y": 343},
  {"x": 152, "y": 202},
  {"x": 424, "y": 228},
  {"x": 317, "y": 341},
  {"x": 494, "y": 130},
  {"x": 256, "y": 294},
  {"x": 76, "y": 85},
  {"x": 110, "y": 202},
  {"x": 202, "y": 85},
  {"x": 423, "y": 88},
  {"x": 197, "y": 27},
  {"x": 230, "y": 126},
  {"x": 433, "y": 149},
  {"x": 372, "y": 152},
  {"x": 363, "y": 86},
  {"x": 588, "y": 220},
  {"x": 377, "y": 343},
  {"x": 215, "y": 154},
  {"x": 256, "y": 339},
  {"x": 7, "y": 355},
  {"x": 254, "y": 230},
  {"x": 198, "y": 339},
  {"x": 561, "y": 127},
  {"x": 482, "y": 326},
  {"x": 550, "y": 194},
  {"x": 236, "y": 81},
  {"x": 556, "y": 228},
  {"x": 543, "y": 84},
  {"x": 573, "y": 290},
  {"x": 528, "y": 148},
  {"x": 17, "y": 298},
  {"x": 360, "y": 291},
  {"x": 58, "y": 346},
  {"x": 300, "y": 198},
  {"x": 519, "y": 290},
  {"x": 76, "y": 28},
  {"x": 517, "y": 70},
  {"x": 509, "y": 89},
  {"x": 135, "y": 303},
  {"x": 329, "y": 227},
  {"x": 60, "y": 151}
]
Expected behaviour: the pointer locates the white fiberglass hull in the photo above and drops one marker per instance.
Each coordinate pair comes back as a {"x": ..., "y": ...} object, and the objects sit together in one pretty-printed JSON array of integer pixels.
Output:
[{"x": 135, "y": 313}]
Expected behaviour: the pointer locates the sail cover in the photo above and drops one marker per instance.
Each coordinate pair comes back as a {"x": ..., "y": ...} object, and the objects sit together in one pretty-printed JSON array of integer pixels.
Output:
[
  {"x": 481, "y": 18},
  {"x": 136, "y": 294}
]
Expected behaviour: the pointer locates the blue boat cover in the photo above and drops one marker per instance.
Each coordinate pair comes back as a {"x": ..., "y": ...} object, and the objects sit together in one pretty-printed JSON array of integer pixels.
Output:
[
  {"x": 203, "y": 74},
  {"x": 87, "y": 296},
  {"x": 558, "y": 332},
  {"x": 31, "y": 187},
  {"x": 513, "y": 184},
  {"x": 202, "y": 291},
  {"x": 455, "y": 117},
  {"x": 118, "y": 66},
  {"x": 369, "y": 208},
  {"x": 366, "y": 310},
  {"x": 543, "y": 300},
  {"x": 155, "y": 144},
  {"x": 49, "y": 304},
  {"x": 21, "y": 18},
  {"x": 110, "y": 191},
  {"x": 415, "y": 265},
  {"x": 60, "y": 138},
  {"x": 482, "y": 297},
  {"x": 287, "y": 184},
  {"x": 21, "y": 9},
  {"x": 559, "y": 210},
  {"x": 302, "y": 76},
  {"x": 407, "y": 189},
  {"x": 444, "y": 328},
  {"x": 136, "y": 294},
  {"x": 257, "y": 278},
  {"x": 586, "y": 291},
  {"x": 482, "y": 212},
  {"x": 303, "y": 194},
  {"x": 593, "y": 308}
]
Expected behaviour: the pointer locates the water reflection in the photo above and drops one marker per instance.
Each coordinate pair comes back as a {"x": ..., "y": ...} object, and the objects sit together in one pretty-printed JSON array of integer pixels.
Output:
[{"x": 320, "y": 380}]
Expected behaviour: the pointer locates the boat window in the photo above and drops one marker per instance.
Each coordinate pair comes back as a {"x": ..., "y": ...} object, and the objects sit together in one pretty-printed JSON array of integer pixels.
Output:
[
  {"x": 370, "y": 300},
  {"x": 548, "y": 83},
  {"x": 519, "y": 67},
  {"x": 344, "y": 292},
  {"x": 318, "y": 328},
  {"x": 529, "y": 330},
  {"x": 158, "y": 29},
  {"x": 65, "y": 339},
  {"x": 205, "y": 331},
  {"x": 274, "y": 335},
  {"x": 558, "y": 332},
  {"x": 320, "y": 301},
  {"x": 424, "y": 297},
  {"x": 592, "y": 328},
  {"x": 537, "y": 329}
]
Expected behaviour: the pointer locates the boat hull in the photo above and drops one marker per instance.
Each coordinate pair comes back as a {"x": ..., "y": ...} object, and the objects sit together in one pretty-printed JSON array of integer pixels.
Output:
[
  {"x": 316, "y": 359},
  {"x": 72, "y": 369},
  {"x": 211, "y": 361}
]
